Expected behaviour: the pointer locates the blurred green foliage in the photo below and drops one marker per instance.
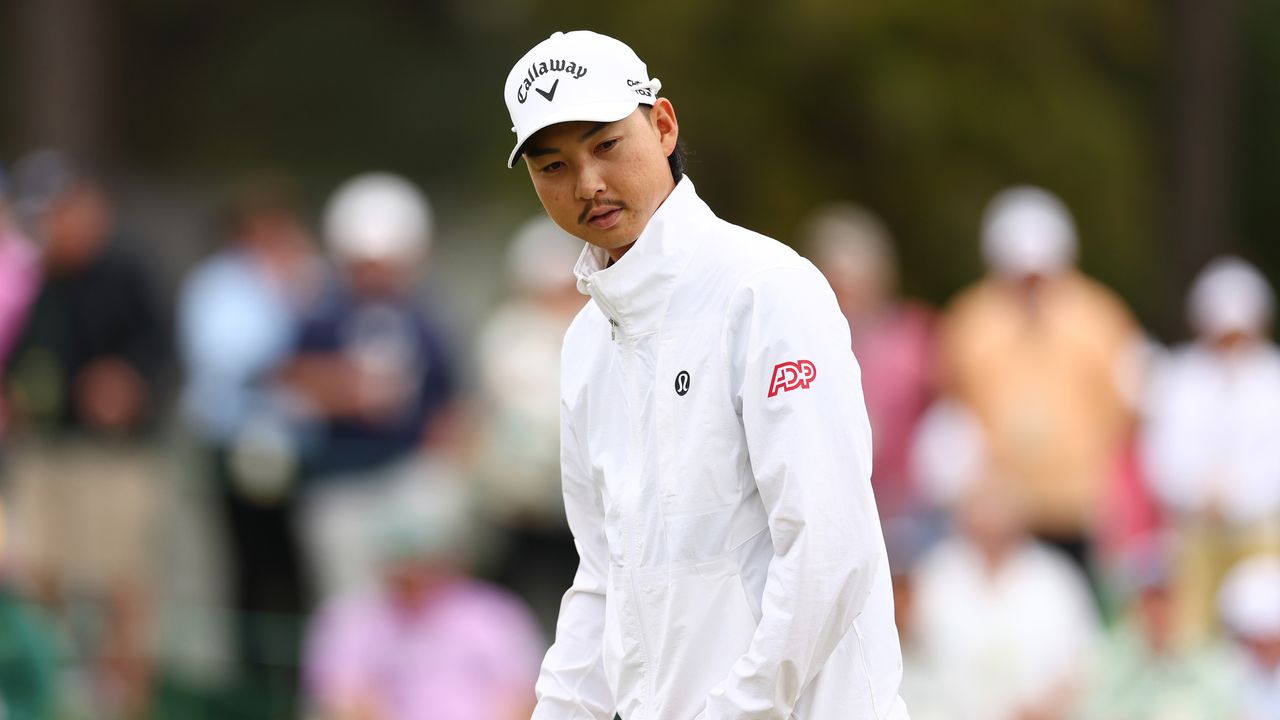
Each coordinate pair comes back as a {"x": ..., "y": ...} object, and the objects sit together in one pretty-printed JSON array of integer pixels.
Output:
[{"x": 921, "y": 109}]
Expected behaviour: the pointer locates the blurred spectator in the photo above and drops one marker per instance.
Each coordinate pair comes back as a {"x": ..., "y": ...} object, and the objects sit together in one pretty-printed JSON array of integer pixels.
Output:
[
  {"x": 922, "y": 683},
  {"x": 19, "y": 278},
  {"x": 518, "y": 458},
  {"x": 1250, "y": 605},
  {"x": 373, "y": 374},
  {"x": 892, "y": 339},
  {"x": 82, "y": 385},
  {"x": 428, "y": 642},
  {"x": 28, "y": 663},
  {"x": 238, "y": 313},
  {"x": 1002, "y": 621},
  {"x": 1142, "y": 671},
  {"x": 1043, "y": 354},
  {"x": 1213, "y": 414}
]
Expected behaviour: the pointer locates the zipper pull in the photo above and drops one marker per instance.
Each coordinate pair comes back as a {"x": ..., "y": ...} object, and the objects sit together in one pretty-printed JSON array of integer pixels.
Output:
[{"x": 613, "y": 329}]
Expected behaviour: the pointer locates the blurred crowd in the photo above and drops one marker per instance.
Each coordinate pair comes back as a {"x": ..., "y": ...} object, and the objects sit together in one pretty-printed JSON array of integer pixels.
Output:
[{"x": 277, "y": 494}]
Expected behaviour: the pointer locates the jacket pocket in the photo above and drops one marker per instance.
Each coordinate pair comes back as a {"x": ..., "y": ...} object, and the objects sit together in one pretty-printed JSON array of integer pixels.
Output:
[{"x": 696, "y": 624}]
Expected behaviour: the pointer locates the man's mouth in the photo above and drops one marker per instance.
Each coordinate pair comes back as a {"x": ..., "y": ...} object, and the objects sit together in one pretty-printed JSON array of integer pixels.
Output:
[
  {"x": 603, "y": 215},
  {"x": 604, "y": 218}
]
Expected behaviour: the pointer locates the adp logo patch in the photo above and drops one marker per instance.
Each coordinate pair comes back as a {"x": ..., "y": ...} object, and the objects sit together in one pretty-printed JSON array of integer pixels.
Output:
[{"x": 790, "y": 376}]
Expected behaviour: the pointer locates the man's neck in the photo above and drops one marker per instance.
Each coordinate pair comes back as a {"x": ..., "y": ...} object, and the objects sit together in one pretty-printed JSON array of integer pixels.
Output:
[{"x": 615, "y": 254}]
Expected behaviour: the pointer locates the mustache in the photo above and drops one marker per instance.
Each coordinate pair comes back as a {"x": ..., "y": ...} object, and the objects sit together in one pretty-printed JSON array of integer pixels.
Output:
[{"x": 592, "y": 206}]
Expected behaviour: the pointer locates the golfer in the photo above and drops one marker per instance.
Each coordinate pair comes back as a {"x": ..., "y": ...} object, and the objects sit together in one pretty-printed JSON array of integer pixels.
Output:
[{"x": 715, "y": 448}]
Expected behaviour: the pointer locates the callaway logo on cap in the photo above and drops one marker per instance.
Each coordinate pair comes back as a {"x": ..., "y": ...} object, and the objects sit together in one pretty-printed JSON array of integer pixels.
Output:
[{"x": 574, "y": 76}]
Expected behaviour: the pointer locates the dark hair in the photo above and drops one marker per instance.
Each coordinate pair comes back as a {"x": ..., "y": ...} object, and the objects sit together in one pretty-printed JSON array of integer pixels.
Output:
[{"x": 679, "y": 157}]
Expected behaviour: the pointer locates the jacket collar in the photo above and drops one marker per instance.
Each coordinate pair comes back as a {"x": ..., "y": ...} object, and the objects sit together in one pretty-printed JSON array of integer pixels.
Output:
[{"x": 634, "y": 291}]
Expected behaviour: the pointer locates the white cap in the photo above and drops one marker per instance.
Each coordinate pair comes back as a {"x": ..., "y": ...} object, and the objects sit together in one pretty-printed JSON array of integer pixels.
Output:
[
  {"x": 949, "y": 454},
  {"x": 377, "y": 216},
  {"x": 573, "y": 76},
  {"x": 1229, "y": 295},
  {"x": 542, "y": 256},
  {"x": 1249, "y": 598},
  {"x": 1026, "y": 230}
]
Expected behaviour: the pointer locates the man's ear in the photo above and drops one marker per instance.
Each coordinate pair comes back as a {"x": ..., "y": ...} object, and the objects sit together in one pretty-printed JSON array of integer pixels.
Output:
[{"x": 663, "y": 120}]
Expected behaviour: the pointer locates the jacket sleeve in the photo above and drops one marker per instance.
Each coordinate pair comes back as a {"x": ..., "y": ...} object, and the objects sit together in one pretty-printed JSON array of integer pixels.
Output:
[
  {"x": 571, "y": 684},
  {"x": 809, "y": 440}
]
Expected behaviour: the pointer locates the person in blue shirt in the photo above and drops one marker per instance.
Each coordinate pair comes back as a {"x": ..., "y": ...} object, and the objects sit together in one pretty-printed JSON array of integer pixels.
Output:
[{"x": 371, "y": 375}]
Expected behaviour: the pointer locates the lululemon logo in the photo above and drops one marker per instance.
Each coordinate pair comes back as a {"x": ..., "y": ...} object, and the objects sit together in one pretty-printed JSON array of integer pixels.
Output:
[
  {"x": 549, "y": 94},
  {"x": 682, "y": 383}
]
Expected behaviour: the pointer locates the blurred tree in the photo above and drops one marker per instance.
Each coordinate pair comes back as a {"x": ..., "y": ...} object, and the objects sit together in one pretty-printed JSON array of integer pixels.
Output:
[
  {"x": 62, "y": 90},
  {"x": 921, "y": 109},
  {"x": 1202, "y": 90},
  {"x": 1257, "y": 149}
]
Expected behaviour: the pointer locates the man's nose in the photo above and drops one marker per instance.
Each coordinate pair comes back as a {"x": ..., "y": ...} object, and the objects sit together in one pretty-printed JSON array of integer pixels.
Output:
[{"x": 590, "y": 182}]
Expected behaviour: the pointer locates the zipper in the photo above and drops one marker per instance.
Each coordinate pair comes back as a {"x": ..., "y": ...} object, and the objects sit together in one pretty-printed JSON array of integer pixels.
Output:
[
  {"x": 609, "y": 312},
  {"x": 633, "y": 521}
]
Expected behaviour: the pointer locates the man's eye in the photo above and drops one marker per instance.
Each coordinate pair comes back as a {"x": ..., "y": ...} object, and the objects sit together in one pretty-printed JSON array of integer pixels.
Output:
[
  {"x": 551, "y": 167},
  {"x": 607, "y": 145}
]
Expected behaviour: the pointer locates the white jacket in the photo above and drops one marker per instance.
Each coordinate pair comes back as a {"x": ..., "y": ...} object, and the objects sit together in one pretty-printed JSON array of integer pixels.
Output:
[
  {"x": 716, "y": 462},
  {"x": 1210, "y": 434}
]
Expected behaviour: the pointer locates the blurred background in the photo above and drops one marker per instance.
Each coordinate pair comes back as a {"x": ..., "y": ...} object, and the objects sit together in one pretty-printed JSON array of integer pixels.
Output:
[{"x": 279, "y": 342}]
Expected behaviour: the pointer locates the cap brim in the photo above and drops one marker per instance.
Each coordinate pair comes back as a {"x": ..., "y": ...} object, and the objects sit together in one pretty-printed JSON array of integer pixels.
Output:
[{"x": 603, "y": 112}]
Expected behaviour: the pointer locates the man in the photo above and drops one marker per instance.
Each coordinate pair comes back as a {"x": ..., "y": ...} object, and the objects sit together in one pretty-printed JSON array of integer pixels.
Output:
[
  {"x": 238, "y": 311},
  {"x": 1249, "y": 603},
  {"x": 83, "y": 382},
  {"x": 1004, "y": 621},
  {"x": 1047, "y": 358},
  {"x": 1212, "y": 410},
  {"x": 19, "y": 279},
  {"x": 425, "y": 640},
  {"x": 715, "y": 448},
  {"x": 1142, "y": 669},
  {"x": 373, "y": 371}
]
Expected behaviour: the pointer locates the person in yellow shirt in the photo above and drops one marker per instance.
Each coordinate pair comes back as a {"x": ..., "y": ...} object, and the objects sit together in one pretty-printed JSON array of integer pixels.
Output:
[{"x": 1044, "y": 356}]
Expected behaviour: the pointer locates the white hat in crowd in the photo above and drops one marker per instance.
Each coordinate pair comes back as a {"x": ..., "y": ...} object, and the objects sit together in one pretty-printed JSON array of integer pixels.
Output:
[
  {"x": 1249, "y": 599},
  {"x": 1230, "y": 295},
  {"x": 575, "y": 76},
  {"x": 542, "y": 256},
  {"x": 378, "y": 216},
  {"x": 1026, "y": 231},
  {"x": 950, "y": 453}
]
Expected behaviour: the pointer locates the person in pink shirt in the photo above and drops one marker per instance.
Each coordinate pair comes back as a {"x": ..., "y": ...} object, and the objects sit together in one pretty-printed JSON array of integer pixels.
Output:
[
  {"x": 892, "y": 338},
  {"x": 19, "y": 279},
  {"x": 428, "y": 642}
]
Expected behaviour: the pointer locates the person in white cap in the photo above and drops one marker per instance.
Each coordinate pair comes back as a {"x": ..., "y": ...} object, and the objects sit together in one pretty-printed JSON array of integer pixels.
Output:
[
  {"x": 1038, "y": 351},
  {"x": 1250, "y": 606},
  {"x": 373, "y": 373},
  {"x": 715, "y": 447},
  {"x": 1213, "y": 410}
]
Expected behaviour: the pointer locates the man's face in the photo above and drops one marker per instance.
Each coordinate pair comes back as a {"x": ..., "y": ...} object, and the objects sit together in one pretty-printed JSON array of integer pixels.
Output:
[
  {"x": 75, "y": 227},
  {"x": 602, "y": 182}
]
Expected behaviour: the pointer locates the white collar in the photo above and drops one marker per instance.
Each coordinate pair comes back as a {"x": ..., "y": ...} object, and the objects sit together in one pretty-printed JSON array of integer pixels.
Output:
[{"x": 634, "y": 291}]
